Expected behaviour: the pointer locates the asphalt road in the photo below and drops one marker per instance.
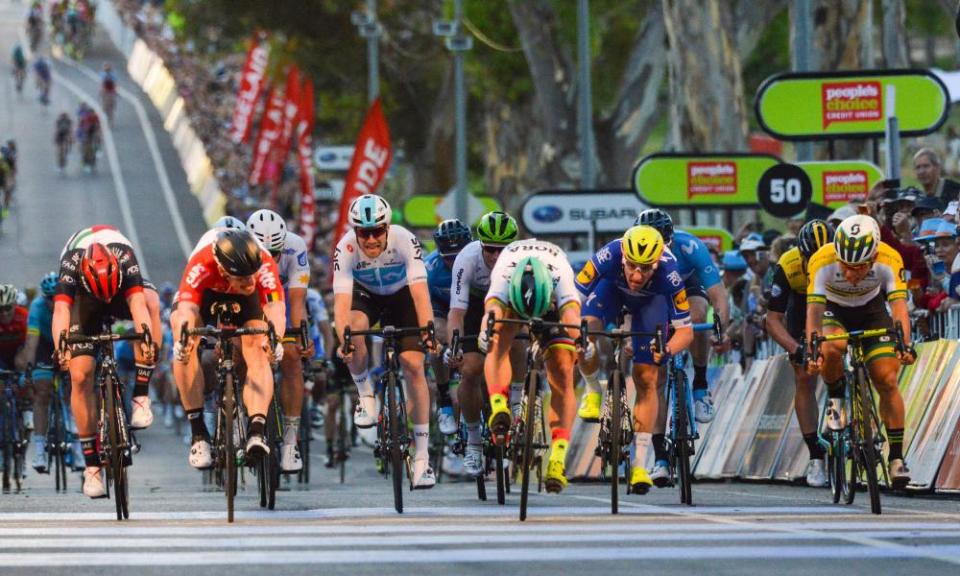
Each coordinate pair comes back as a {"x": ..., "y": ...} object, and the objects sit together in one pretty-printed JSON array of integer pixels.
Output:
[{"x": 177, "y": 521}]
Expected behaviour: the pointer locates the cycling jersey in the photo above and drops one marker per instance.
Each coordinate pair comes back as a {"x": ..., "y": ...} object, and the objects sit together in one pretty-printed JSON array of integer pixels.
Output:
[
  {"x": 400, "y": 264},
  {"x": 109, "y": 81},
  {"x": 68, "y": 282},
  {"x": 19, "y": 60},
  {"x": 827, "y": 284},
  {"x": 789, "y": 277},
  {"x": 39, "y": 324},
  {"x": 564, "y": 291},
  {"x": 471, "y": 276},
  {"x": 64, "y": 125},
  {"x": 603, "y": 282},
  {"x": 439, "y": 279},
  {"x": 694, "y": 262},
  {"x": 202, "y": 275},
  {"x": 12, "y": 337},
  {"x": 42, "y": 69},
  {"x": 316, "y": 314},
  {"x": 293, "y": 263}
]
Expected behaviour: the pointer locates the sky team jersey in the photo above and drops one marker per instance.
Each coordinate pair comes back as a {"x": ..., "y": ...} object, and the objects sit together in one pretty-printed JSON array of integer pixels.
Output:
[
  {"x": 68, "y": 282},
  {"x": 789, "y": 277},
  {"x": 693, "y": 260},
  {"x": 471, "y": 277},
  {"x": 399, "y": 265},
  {"x": 12, "y": 337},
  {"x": 607, "y": 265},
  {"x": 564, "y": 291},
  {"x": 202, "y": 274},
  {"x": 828, "y": 284},
  {"x": 439, "y": 279}
]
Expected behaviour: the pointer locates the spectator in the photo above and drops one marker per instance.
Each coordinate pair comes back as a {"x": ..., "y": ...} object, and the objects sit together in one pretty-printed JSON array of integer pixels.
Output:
[
  {"x": 840, "y": 214},
  {"x": 950, "y": 213},
  {"x": 925, "y": 209},
  {"x": 755, "y": 253},
  {"x": 928, "y": 169},
  {"x": 894, "y": 214}
]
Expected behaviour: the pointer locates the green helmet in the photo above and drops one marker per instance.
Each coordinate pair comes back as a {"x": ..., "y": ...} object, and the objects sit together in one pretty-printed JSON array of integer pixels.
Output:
[
  {"x": 497, "y": 228},
  {"x": 531, "y": 288}
]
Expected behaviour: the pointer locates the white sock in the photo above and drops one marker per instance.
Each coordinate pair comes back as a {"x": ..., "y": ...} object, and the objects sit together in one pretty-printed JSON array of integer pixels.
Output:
[
  {"x": 641, "y": 443},
  {"x": 369, "y": 404},
  {"x": 291, "y": 428},
  {"x": 473, "y": 433},
  {"x": 421, "y": 441},
  {"x": 591, "y": 382},
  {"x": 364, "y": 385}
]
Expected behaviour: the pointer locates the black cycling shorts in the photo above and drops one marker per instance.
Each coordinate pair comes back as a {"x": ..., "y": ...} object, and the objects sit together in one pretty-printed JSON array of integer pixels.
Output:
[
  {"x": 87, "y": 316},
  {"x": 240, "y": 308},
  {"x": 870, "y": 316},
  {"x": 397, "y": 310},
  {"x": 472, "y": 324}
]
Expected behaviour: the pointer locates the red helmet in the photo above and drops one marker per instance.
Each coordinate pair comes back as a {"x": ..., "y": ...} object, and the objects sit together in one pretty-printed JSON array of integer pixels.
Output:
[{"x": 100, "y": 272}]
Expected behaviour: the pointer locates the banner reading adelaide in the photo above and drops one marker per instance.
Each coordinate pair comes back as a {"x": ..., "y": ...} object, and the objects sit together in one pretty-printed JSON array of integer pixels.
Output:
[{"x": 816, "y": 106}]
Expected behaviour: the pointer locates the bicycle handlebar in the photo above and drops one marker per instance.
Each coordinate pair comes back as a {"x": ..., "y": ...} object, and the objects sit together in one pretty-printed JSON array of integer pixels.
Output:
[
  {"x": 105, "y": 338},
  {"x": 226, "y": 333},
  {"x": 816, "y": 339},
  {"x": 537, "y": 325},
  {"x": 388, "y": 332}
]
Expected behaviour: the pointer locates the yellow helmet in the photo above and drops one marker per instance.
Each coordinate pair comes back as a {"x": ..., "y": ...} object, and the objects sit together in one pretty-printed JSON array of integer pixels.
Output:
[{"x": 642, "y": 245}]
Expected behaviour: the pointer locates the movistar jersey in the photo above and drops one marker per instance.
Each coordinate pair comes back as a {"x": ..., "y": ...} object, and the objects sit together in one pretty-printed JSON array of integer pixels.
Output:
[
  {"x": 439, "y": 280},
  {"x": 694, "y": 262}
]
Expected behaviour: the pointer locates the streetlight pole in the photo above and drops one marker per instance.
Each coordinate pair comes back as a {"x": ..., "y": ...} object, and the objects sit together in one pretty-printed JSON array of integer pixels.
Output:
[
  {"x": 584, "y": 97},
  {"x": 370, "y": 28},
  {"x": 458, "y": 43},
  {"x": 803, "y": 56}
]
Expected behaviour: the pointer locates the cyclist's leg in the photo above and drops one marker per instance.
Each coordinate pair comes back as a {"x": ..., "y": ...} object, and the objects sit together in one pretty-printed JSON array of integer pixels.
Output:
[
  {"x": 884, "y": 368},
  {"x": 497, "y": 366},
  {"x": 805, "y": 396},
  {"x": 365, "y": 311},
  {"x": 700, "y": 349},
  {"x": 600, "y": 309},
  {"x": 42, "y": 393},
  {"x": 292, "y": 398},
  {"x": 471, "y": 394}
]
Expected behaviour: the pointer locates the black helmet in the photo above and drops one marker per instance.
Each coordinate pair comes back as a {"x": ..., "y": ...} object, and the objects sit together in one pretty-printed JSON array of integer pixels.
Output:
[
  {"x": 451, "y": 236},
  {"x": 658, "y": 219},
  {"x": 238, "y": 252},
  {"x": 812, "y": 236}
]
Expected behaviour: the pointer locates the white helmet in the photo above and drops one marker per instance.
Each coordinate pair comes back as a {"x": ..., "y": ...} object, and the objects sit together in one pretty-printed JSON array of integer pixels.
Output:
[
  {"x": 8, "y": 294},
  {"x": 857, "y": 239},
  {"x": 369, "y": 211},
  {"x": 269, "y": 228},
  {"x": 230, "y": 222}
]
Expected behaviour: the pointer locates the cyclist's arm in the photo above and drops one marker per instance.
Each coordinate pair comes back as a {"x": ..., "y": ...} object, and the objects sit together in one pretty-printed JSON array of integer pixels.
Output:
[
  {"x": 455, "y": 322},
  {"x": 680, "y": 340},
  {"x": 780, "y": 292},
  {"x": 28, "y": 353},
  {"x": 60, "y": 322},
  {"x": 297, "y": 301},
  {"x": 138, "y": 310},
  {"x": 327, "y": 333},
  {"x": 901, "y": 315},
  {"x": 721, "y": 302},
  {"x": 342, "y": 302},
  {"x": 276, "y": 312},
  {"x": 421, "y": 301}
]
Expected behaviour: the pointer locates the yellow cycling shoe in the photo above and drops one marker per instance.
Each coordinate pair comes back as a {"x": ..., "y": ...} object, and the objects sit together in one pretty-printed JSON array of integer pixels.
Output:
[
  {"x": 640, "y": 481},
  {"x": 500, "y": 415},
  {"x": 556, "y": 479},
  {"x": 589, "y": 410}
]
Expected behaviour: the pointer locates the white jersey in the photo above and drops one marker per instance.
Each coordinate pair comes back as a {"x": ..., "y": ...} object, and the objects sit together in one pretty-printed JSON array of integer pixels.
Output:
[
  {"x": 564, "y": 289},
  {"x": 399, "y": 265},
  {"x": 293, "y": 263},
  {"x": 471, "y": 277}
]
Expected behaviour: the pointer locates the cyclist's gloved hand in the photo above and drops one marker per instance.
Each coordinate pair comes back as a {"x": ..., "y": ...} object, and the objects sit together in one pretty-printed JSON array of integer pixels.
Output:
[
  {"x": 449, "y": 358},
  {"x": 278, "y": 352},
  {"x": 908, "y": 355},
  {"x": 483, "y": 341},
  {"x": 590, "y": 351},
  {"x": 180, "y": 352},
  {"x": 798, "y": 356}
]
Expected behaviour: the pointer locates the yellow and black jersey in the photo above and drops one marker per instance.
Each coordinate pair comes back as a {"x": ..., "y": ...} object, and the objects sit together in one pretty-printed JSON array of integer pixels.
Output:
[
  {"x": 789, "y": 278},
  {"x": 827, "y": 283}
]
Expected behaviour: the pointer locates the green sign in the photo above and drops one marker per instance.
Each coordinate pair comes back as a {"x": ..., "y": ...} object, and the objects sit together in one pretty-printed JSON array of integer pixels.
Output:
[
  {"x": 837, "y": 183},
  {"x": 817, "y": 106},
  {"x": 712, "y": 180},
  {"x": 421, "y": 211},
  {"x": 718, "y": 237}
]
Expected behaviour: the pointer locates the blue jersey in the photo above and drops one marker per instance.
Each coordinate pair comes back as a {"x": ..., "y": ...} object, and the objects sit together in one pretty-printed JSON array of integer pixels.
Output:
[
  {"x": 40, "y": 324},
  {"x": 696, "y": 266},
  {"x": 602, "y": 277},
  {"x": 439, "y": 280}
]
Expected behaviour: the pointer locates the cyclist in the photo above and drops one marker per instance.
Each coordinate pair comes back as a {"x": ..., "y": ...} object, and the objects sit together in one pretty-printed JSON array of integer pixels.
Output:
[
  {"x": 290, "y": 253},
  {"x": 108, "y": 90},
  {"x": 100, "y": 277},
  {"x": 637, "y": 273},
  {"x": 19, "y": 61},
  {"x": 63, "y": 138},
  {"x": 41, "y": 68},
  {"x": 450, "y": 237},
  {"x": 378, "y": 275},
  {"x": 35, "y": 25},
  {"x": 533, "y": 279},
  {"x": 850, "y": 281},
  {"x": 13, "y": 327},
  {"x": 471, "y": 281},
  {"x": 88, "y": 134},
  {"x": 39, "y": 347},
  {"x": 231, "y": 268},
  {"x": 785, "y": 318}
]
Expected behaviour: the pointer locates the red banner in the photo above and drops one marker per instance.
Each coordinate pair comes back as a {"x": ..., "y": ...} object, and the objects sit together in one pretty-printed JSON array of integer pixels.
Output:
[
  {"x": 308, "y": 223},
  {"x": 291, "y": 115},
  {"x": 371, "y": 158},
  {"x": 270, "y": 127},
  {"x": 251, "y": 85}
]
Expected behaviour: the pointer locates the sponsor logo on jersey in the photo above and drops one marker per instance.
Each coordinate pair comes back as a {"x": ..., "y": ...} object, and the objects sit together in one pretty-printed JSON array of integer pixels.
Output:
[
  {"x": 604, "y": 254},
  {"x": 674, "y": 278},
  {"x": 135, "y": 269},
  {"x": 302, "y": 259},
  {"x": 459, "y": 284},
  {"x": 587, "y": 273},
  {"x": 680, "y": 301},
  {"x": 195, "y": 275},
  {"x": 304, "y": 279},
  {"x": 267, "y": 278},
  {"x": 775, "y": 290},
  {"x": 690, "y": 247}
]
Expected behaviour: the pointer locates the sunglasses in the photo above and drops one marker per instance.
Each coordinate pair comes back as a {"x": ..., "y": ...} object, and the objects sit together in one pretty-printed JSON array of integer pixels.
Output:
[
  {"x": 364, "y": 233},
  {"x": 642, "y": 268}
]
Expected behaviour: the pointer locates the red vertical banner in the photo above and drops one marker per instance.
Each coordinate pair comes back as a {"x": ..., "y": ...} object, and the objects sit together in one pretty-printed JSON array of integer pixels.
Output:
[
  {"x": 251, "y": 86},
  {"x": 304, "y": 129},
  {"x": 371, "y": 159},
  {"x": 291, "y": 114},
  {"x": 270, "y": 127}
]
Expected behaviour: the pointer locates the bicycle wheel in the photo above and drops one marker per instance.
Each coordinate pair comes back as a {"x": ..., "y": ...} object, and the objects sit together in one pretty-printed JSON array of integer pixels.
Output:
[
  {"x": 529, "y": 427},
  {"x": 501, "y": 474},
  {"x": 7, "y": 463},
  {"x": 229, "y": 451},
  {"x": 393, "y": 447},
  {"x": 272, "y": 467},
  {"x": 836, "y": 463},
  {"x": 115, "y": 451},
  {"x": 682, "y": 437},
  {"x": 342, "y": 438},
  {"x": 867, "y": 449},
  {"x": 304, "y": 476},
  {"x": 616, "y": 436}
]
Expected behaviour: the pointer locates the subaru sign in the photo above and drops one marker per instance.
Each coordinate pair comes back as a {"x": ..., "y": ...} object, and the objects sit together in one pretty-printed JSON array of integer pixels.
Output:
[
  {"x": 333, "y": 158},
  {"x": 576, "y": 212}
]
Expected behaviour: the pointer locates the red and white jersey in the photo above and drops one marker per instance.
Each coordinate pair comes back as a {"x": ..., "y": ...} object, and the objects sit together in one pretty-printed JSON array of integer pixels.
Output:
[
  {"x": 202, "y": 274},
  {"x": 68, "y": 281}
]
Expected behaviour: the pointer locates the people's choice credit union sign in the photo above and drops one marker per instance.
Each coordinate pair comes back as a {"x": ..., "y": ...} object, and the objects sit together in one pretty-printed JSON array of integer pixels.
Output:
[
  {"x": 685, "y": 180},
  {"x": 816, "y": 106}
]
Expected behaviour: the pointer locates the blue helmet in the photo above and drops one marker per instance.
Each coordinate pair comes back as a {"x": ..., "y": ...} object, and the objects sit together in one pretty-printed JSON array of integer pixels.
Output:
[
  {"x": 451, "y": 236},
  {"x": 230, "y": 222},
  {"x": 658, "y": 219},
  {"x": 369, "y": 211},
  {"x": 48, "y": 286}
]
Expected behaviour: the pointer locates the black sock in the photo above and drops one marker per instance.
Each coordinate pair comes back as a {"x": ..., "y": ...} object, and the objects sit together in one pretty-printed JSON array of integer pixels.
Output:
[
  {"x": 895, "y": 437},
  {"x": 835, "y": 389},
  {"x": 813, "y": 446},
  {"x": 90, "y": 456},
  {"x": 197, "y": 426},
  {"x": 443, "y": 394},
  {"x": 141, "y": 386},
  {"x": 258, "y": 422},
  {"x": 659, "y": 447},
  {"x": 699, "y": 377}
]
